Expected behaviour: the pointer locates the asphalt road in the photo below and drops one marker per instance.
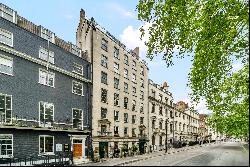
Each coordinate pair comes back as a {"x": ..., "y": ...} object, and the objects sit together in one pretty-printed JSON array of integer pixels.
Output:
[{"x": 224, "y": 154}]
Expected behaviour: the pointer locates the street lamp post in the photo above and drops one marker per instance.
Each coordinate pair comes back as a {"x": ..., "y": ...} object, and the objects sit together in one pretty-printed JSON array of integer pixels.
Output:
[{"x": 166, "y": 140}]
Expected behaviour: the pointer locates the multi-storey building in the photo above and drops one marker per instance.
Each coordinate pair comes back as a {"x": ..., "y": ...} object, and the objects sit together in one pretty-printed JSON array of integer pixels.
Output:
[
  {"x": 45, "y": 86},
  {"x": 120, "y": 80},
  {"x": 160, "y": 113},
  {"x": 203, "y": 128},
  {"x": 187, "y": 122}
]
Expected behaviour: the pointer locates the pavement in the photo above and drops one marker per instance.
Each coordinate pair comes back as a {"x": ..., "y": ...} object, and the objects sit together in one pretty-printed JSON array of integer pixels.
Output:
[{"x": 147, "y": 156}]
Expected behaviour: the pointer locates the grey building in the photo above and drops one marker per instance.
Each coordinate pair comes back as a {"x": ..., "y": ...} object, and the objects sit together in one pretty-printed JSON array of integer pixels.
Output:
[{"x": 45, "y": 92}]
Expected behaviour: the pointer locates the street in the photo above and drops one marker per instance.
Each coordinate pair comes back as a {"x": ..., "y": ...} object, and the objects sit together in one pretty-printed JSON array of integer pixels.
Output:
[{"x": 223, "y": 154}]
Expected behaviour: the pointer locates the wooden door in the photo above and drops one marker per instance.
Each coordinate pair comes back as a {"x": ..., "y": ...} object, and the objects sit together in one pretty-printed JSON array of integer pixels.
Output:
[{"x": 77, "y": 150}]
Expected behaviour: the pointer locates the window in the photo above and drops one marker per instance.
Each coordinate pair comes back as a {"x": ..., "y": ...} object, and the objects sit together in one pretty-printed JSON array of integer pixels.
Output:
[
  {"x": 116, "y": 99},
  {"x": 125, "y": 102},
  {"x": 125, "y": 130},
  {"x": 116, "y": 130},
  {"x": 6, "y": 146},
  {"x": 103, "y": 113},
  {"x": 116, "y": 53},
  {"x": 125, "y": 87},
  {"x": 141, "y": 120},
  {"x": 47, "y": 34},
  {"x": 133, "y": 65},
  {"x": 116, "y": 68},
  {"x": 104, "y": 61},
  {"x": 133, "y": 78},
  {"x": 142, "y": 71},
  {"x": 6, "y": 65},
  {"x": 77, "y": 88},
  {"x": 7, "y": 13},
  {"x": 153, "y": 108},
  {"x": 133, "y": 119},
  {"x": 160, "y": 125},
  {"x": 160, "y": 95},
  {"x": 104, "y": 93},
  {"x": 46, "y": 78},
  {"x": 104, "y": 44},
  {"x": 133, "y": 132},
  {"x": 166, "y": 99},
  {"x": 46, "y": 144},
  {"x": 126, "y": 73},
  {"x": 77, "y": 117},
  {"x": 104, "y": 77},
  {"x": 153, "y": 93},
  {"x": 125, "y": 117},
  {"x": 153, "y": 124},
  {"x": 75, "y": 50},
  {"x": 46, "y": 114},
  {"x": 133, "y": 91},
  {"x": 6, "y": 37},
  {"x": 142, "y": 95},
  {"x": 160, "y": 110},
  {"x": 77, "y": 68},
  {"x": 171, "y": 114},
  {"x": 126, "y": 59},
  {"x": 43, "y": 54},
  {"x": 142, "y": 83},
  {"x": 133, "y": 105},
  {"x": 141, "y": 108},
  {"x": 116, "y": 83},
  {"x": 5, "y": 108},
  {"x": 116, "y": 115}
]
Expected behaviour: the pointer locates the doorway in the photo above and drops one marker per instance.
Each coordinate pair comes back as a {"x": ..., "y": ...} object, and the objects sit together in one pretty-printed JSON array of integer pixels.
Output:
[{"x": 103, "y": 149}]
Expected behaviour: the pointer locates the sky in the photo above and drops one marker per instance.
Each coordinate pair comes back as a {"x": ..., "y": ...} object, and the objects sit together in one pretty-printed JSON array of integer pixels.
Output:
[{"x": 119, "y": 17}]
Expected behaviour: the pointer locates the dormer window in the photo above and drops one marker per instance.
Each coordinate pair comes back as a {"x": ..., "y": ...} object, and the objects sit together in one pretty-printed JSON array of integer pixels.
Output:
[
  {"x": 75, "y": 50},
  {"x": 7, "y": 13},
  {"x": 47, "y": 34}
]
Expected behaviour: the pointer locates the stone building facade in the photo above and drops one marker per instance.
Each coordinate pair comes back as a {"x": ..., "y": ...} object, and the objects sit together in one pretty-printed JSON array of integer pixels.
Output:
[
  {"x": 45, "y": 86},
  {"x": 120, "y": 90}
]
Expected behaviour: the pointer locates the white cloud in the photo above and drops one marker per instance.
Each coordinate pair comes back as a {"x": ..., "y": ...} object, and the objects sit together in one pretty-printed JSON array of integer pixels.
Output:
[
  {"x": 131, "y": 38},
  {"x": 200, "y": 107},
  {"x": 114, "y": 7},
  {"x": 237, "y": 67}
]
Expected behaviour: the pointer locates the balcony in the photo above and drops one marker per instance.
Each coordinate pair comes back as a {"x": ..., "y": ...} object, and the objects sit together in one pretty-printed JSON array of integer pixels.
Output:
[
  {"x": 133, "y": 135},
  {"x": 104, "y": 121},
  {"x": 142, "y": 127},
  {"x": 116, "y": 135},
  {"x": 104, "y": 134}
]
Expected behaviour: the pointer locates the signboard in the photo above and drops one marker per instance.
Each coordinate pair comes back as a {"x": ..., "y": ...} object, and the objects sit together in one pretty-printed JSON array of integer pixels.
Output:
[
  {"x": 58, "y": 147},
  {"x": 66, "y": 147}
]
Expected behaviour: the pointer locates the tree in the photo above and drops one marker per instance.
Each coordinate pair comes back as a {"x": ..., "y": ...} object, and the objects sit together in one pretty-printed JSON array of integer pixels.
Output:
[{"x": 215, "y": 34}]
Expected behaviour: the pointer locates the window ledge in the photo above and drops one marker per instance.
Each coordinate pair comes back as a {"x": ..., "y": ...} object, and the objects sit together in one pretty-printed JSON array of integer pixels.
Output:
[{"x": 6, "y": 74}]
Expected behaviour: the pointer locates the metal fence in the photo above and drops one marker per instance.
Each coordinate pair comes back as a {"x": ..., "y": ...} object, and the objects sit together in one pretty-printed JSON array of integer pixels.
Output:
[{"x": 39, "y": 160}]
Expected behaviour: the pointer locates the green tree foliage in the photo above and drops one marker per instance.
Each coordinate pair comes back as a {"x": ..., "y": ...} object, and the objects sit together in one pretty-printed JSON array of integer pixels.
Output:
[{"x": 215, "y": 33}]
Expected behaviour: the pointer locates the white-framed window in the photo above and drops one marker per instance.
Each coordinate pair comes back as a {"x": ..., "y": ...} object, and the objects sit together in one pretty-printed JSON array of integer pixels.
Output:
[
  {"x": 125, "y": 105},
  {"x": 141, "y": 108},
  {"x": 104, "y": 44},
  {"x": 133, "y": 78},
  {"x": 133, "y": 105},
  {"x": 6, "y": 37},
  {"x": 77, "y": 118},
  {"x": 5, "y": 108},
  {"x": 116, "y": 99},
  {"x": 104, "y": 77},
  {"x": 125, "y": 87},
  {"x": 104, "y": 112},
  {"x": 126, "y": 59},
  {"x": 142, "y": 83},
  {"x": 116, "y": 53},
  {"x": 133, "y": 119},
  {"x": 6, "y": 145},
  {"x": 126, "y": 73},
  {"x": 45, "y": 55},
  {"x": 116, "y": 68},
  {"x": 142, "y": 95},
  {"x": 116, "y": 130},
  {"x": 116, "y": 83},
  {"x": 116, "y": 115},
  {"x": 77, "y": 68},
  {"x": 75, "y": 50},
  {"x": 77, "y": 88},
  {"x": 46, "y": 78},
  {"x": 104, "y": 61},
  {"x": 104, "y": 94},
  {"x": 6, "y": 65},
  {"x": 133, "y": 65},
  {"x": 142, "y": 71},
  {"x": 133, "y": 91},
  {"x": 46, "y": 144},
  {"x": 47, "y": 34},
  {"x": 7, "y": 13},
  {"x": 46, "y": 114},
  {"x": 125, "y": 117}
]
